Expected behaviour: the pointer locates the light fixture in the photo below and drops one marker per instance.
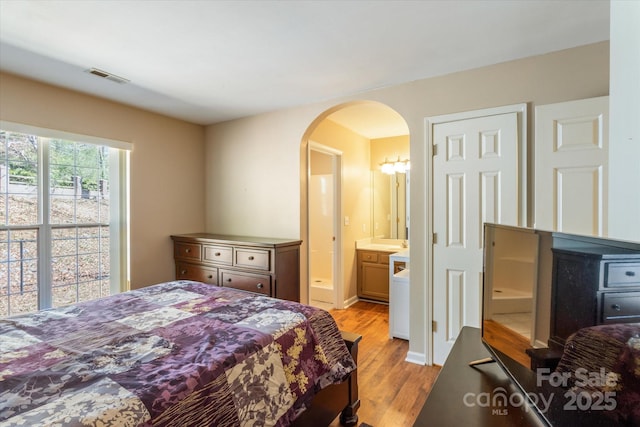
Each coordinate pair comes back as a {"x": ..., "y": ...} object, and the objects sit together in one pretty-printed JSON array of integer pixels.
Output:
[{"x": 399, "y": 166}]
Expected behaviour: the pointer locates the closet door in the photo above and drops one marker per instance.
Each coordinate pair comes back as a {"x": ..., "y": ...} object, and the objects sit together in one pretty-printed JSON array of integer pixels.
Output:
[
  {"x": 475, "y": 178},
  {"x": 571, "y": 166}
]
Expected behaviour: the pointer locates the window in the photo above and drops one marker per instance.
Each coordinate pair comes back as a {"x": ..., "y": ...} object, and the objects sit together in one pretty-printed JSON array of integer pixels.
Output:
[{"x": 63, "y": 218}]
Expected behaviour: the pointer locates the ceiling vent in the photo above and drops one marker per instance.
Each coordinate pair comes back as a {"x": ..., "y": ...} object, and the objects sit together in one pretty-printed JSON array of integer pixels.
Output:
[{"x": 108, "y": 76}]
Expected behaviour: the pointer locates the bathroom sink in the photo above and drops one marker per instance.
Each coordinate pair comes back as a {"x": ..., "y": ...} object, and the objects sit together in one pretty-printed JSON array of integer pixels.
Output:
[{"x": 382, "y": 247}]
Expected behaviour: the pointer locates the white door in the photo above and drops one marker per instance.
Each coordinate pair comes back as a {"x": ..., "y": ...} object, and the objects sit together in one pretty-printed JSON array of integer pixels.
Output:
[
  {"x": 571, "y": 166},
  {"x": 475, "y": 180}
]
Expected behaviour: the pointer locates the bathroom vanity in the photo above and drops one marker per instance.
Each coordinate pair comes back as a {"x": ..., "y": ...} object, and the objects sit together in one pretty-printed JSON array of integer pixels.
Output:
[{"x": 373, "y": 269}]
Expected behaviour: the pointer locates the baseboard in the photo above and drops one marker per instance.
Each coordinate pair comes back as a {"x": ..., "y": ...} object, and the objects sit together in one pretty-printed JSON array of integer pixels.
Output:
[
  {"x": 349, "y": 302},
  {"x": 417, "y": 358},
  {"x": 539, "y": 344}
]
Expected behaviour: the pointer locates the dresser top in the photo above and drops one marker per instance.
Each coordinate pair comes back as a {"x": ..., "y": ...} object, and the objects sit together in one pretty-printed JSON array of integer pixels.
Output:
[
  {"x": 239, "y": 240},
  {"x": 604, "y": 252}
]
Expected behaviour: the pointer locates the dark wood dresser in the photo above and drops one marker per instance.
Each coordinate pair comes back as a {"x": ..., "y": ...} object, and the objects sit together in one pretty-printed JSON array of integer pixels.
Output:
[
  {"x": 263, "y": 265},
  {"x": 593, "y": 286}
]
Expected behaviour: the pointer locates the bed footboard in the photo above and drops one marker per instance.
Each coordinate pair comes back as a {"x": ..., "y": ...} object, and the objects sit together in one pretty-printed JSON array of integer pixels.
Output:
[{"x": 338, "y": 399}]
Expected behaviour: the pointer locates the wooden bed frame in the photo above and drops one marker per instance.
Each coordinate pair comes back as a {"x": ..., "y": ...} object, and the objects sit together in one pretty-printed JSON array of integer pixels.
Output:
[{"x": 337, "y": 399}]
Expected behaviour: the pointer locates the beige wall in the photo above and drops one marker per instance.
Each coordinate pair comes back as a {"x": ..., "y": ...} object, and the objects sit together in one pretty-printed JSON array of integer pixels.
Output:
[
  {"x": 255, "y": 170},
  {"x": 258, "y": 167},
  {"x": 167, "y": 166},
  {"x": 389, "y": 149}
]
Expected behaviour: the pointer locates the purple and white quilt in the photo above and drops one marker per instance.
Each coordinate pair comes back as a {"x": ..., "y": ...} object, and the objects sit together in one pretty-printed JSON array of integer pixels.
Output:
[{"x": 178, "y": 353}]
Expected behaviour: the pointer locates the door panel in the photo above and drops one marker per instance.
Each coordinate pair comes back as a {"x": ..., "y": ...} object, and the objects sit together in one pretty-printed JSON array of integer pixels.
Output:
[
  {"x": 571, "y": 166},
  {"x": 455, "y": 211},
  {"x": 475, "y": 178},
  {"x": 455, "y": 302},
  {"x": 579, "y": 199}
]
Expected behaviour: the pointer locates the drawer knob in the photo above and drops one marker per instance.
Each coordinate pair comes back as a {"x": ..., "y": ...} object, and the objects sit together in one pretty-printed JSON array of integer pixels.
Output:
[
  {"x": 210, "y": 276},
  {"x": 615, "y": 307},
  {"x": 229, "y": 280},
  {"x": 187, "y": 250},
  {"x": 630, "y": 273},
  {"x": 259, "y": 286},
  {"x": 183, "y": 272},
  {"x": 251, "y": 258},
  {"x": 217, "y": 254}
]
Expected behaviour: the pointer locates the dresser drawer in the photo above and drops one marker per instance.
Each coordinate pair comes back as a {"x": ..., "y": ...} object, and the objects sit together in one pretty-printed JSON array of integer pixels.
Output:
[
  {"x": 254, "y": 264},
  {"x": 218, "y": 254},
  {"x": 185, "y": 271},
  {"x": 622, "y": 274},
  {"x": 187, "y": 251},
  {"x": 617, "y": 306},
  {"x": 253, "y": 258},
  {"x": 259, "y": 283},
  {"x": 369, "y": 256}
]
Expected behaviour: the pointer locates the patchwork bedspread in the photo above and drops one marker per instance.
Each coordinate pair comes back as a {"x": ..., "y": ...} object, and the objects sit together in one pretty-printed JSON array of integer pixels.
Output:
[{"x": 180, "y": 353}]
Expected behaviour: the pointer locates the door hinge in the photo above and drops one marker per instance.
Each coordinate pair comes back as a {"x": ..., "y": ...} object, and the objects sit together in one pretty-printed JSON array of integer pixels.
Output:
[
  {"x": 434, "y": 326},
  {"x": 434, "y": 239},
  {"x": 435, "y": 149}
]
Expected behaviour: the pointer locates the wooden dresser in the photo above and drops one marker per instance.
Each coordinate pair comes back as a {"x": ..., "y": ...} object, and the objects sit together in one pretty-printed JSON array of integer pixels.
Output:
[
  {"x": 257, "y": 264},
  {"x": 593, "y": 286}
]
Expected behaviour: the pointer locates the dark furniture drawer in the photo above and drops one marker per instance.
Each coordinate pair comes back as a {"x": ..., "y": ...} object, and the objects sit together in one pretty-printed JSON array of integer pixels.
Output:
[
  {"x": 617, "y": 306},
  {"x": 252, "y": 258},
  {"x": 592, "y": 286},
  {"x": 187, "y": 251},
  {"x": 623, "y": 274},
  {"x": 265, "y": 265},
  {"x": 186, "y": 271},
  {"x": 259, "y": 283},
  {"x": 218, "y": 254}
]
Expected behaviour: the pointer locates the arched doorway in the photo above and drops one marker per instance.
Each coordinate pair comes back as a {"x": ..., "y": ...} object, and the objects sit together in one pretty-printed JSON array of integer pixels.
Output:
[{"x": 355, "y": 132}]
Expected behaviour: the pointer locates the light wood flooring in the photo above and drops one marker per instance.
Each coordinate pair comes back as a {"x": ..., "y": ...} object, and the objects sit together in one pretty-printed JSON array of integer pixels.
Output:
[
  {"x": 507, "y": 341},
  {"x": 392, "y": 391}
]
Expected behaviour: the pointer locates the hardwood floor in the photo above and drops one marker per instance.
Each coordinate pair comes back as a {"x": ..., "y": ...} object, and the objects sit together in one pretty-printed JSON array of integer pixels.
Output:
[
  {"x": 507, "y": 341},
  {"x": 392, "y": 391}
]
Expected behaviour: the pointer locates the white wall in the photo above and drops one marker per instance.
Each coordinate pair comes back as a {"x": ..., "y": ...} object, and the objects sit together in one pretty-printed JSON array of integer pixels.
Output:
[{"x": 624, "y": 125}]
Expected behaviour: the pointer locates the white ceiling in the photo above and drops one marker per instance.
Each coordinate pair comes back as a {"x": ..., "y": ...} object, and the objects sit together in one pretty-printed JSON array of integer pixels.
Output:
[{"x": 212, "y": 61}]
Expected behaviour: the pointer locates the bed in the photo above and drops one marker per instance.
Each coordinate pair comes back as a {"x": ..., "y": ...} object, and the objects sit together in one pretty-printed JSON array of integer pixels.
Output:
[
  {"x": 180, "y": 353},
  {"x": 606, "y": 359}
]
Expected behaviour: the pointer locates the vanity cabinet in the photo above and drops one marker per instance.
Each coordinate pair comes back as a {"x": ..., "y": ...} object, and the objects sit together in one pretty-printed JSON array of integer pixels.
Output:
[
  {"x": 373, "y": 274},
  {"x": 262, "y": 265},
  {"x": 593, "y": 287}
]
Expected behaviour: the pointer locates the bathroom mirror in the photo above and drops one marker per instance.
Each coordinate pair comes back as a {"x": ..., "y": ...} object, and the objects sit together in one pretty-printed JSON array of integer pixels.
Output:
[
  {"x": 389, "y": 205},
  {"x": 390, "y": 191}
]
